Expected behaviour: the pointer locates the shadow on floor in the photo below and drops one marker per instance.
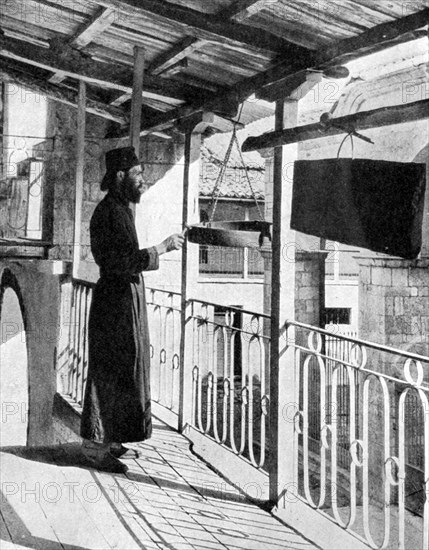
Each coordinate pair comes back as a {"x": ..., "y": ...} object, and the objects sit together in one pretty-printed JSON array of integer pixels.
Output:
[
  {"x": 20, "y": 535},
  {"x": 68, "y": 454}
]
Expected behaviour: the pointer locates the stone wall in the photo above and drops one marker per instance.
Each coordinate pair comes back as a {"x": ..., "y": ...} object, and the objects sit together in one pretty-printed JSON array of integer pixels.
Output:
[
  {"x": 310, "y": 287},
  {"x": 59, "y": 185},
  {"x": 394, "y": 303},
  {"x": 38, "y": 286}
]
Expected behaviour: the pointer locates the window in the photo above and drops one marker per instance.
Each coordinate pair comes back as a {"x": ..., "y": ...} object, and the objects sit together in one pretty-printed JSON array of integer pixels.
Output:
[{"x": 338, "y": 316}]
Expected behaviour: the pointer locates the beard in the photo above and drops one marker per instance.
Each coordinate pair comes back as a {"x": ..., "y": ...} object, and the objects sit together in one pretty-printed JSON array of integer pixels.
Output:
[{"x": 131, "y": 193}]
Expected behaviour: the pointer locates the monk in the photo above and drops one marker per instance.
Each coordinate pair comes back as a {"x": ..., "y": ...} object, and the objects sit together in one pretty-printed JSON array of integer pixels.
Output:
[{"x": 117, "y": 404}]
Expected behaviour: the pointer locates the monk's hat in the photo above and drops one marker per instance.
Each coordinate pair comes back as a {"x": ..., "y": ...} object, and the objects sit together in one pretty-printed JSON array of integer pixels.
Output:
[{"x": 117, "y": 160}]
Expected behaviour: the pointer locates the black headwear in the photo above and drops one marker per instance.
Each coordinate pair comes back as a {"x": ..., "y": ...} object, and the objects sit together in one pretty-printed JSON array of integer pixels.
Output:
[{"x": 121, "y": 159}]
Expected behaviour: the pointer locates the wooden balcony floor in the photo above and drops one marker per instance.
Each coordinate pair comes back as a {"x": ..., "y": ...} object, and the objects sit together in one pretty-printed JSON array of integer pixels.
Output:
[{"x": 168, "y": 500}]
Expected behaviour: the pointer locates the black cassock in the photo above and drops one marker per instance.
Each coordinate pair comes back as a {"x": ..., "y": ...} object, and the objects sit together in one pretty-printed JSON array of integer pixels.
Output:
[{"x": 117, "y": 398}]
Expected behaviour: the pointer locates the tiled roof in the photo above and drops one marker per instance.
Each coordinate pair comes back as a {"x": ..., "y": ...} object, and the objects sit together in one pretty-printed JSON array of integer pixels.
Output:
[{"x": 235, "y": 183}]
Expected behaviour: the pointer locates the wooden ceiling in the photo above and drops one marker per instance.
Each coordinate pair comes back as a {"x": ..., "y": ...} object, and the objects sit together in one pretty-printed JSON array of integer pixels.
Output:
[{"x": 199, "y": 54}]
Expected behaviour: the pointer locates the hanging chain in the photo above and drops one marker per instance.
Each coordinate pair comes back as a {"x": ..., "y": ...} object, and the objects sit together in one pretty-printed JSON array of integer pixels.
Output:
[
  {"x": 248, "y": 179},
  {"x": 215, "y": 198}
]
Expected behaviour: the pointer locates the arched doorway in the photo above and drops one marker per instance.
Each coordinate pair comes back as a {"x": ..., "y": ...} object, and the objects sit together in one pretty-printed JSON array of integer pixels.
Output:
[{"x": 13, "y": 365}]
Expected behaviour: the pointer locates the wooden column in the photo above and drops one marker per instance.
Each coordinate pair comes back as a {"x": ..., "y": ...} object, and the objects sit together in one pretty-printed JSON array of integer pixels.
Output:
[
  {"x": 192, "y": 128},
  {"x": 192, "y": 148},
  {"x": 137, "y": 98},
  {"x": 283, "y": 394},
  {"x": 80, "y": 162},
  {"x": 186, "y": 310}
]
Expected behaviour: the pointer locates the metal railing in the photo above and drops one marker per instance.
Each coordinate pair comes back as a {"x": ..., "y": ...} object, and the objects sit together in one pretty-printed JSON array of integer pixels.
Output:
[
  {"x": 360, "y": 474},
  {"x": 358, "y": 444},
  {"x": 230, "y": 377},
  {"x": 164, "y": 309},
  {"x": 72, "y": 358}
]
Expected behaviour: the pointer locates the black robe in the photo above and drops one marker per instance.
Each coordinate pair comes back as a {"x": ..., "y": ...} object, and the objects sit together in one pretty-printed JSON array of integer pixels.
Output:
[{"x": 117, "y": 405}]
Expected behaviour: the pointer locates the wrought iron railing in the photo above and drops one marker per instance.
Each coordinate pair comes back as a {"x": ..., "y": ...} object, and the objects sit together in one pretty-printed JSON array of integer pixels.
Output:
[
  {"x": 72, "y": 361},
  {"x": 230, "y": 377},
  {"x": 164, "y": 309},
  {"x": 370, "y": 469},
  {"x": 357, "y": 451}
]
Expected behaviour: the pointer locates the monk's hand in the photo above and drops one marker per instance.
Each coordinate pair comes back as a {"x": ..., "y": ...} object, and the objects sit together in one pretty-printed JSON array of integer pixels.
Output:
[{"x": 173, "y": 242}]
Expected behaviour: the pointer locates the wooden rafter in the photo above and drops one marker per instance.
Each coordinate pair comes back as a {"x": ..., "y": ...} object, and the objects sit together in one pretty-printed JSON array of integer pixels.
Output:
[
  {"x": 243, "y": 9},
  {"x": 77, "y": 66},
  {"x": 198, "y": 25},
  {"x": 371, "y": 41},
  {"x": 62, "y": 94},
  {"x": 103, "y": 19},
  {"x": 380, "y": 36},
  {"x": 178, "y": 52},
  {"x": 366, "y": 120},
  {"x": 375, "y": 39}
]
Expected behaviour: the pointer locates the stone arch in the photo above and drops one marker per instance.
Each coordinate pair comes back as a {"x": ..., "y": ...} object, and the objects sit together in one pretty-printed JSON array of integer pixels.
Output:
[{"x": 14, "y": 372}]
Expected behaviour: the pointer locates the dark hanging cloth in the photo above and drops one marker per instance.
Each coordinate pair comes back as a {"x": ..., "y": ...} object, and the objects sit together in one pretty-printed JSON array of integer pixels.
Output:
[
  {"x": 366, "y": 203},
  {"x": 117, "y": 403}
]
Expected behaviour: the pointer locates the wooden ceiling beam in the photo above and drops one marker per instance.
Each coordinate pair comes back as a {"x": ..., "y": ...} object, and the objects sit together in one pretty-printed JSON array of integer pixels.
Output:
[
  {"x": 203, "y": 27},
  {"x": 102, "y": 20},
  {"x": 179, "y": 51},
  {"x": 79, "y": 66},
  {"x": 62, "y": 94},
  {"x": 366, "y": 120},
  {"x": 375, "y": 39},
  {"x": 329, "y": 59},
  {"x": 243, "y": 9}
]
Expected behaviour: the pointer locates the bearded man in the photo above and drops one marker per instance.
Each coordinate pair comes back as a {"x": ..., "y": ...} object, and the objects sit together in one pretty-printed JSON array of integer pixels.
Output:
[{"x": 117, "y": 406}]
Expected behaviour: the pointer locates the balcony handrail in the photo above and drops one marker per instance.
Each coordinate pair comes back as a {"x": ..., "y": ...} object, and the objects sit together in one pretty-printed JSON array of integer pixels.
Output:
[
  {"x": 372, "y": 345},
  {"x": 238, "y": 309}
]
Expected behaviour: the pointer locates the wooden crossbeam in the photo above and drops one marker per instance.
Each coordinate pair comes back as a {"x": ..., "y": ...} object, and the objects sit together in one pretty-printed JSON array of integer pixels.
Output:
[
  {"x": 366, "y": 120},
  {"x": 198, "y": 25},
  {"x": 103, "y": 19},
  {"x": 178, "y": 52},
  {"x": 243, "y": 9},
  {"x": 62, "y": 94}
]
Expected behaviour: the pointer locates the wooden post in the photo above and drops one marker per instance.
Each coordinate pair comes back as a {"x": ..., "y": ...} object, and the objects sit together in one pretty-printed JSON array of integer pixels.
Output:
[
  {"x": 185, "y": 405},
  {"x": 136, "y": 98},
  {"x": 192, "y": 128},
  {"x": 283, "y": 394},
  {"x": 80, "y": 162}
]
